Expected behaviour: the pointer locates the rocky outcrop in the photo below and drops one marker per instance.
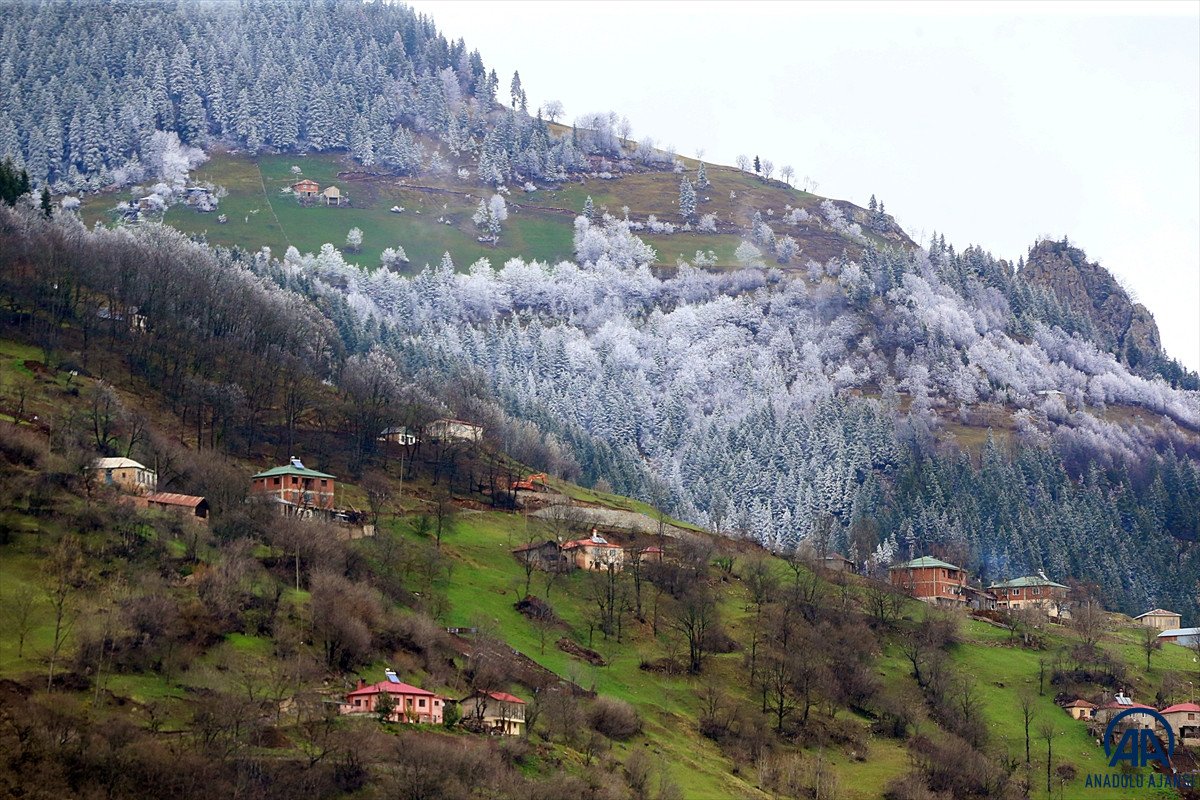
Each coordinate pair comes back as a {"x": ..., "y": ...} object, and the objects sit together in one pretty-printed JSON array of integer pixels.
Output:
[{"x": 1122, "y": 326}]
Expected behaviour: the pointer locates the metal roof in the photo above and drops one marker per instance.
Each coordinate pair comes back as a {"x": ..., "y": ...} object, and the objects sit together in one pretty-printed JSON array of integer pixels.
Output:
[
  {"x": 296, "y": 467},
  {"x": 1180, "y": 632},
  {"x": 118, "y": 463},
  {"x": 925, "y": 561},
  {"x": 1027, "y": 580},
  {"x": 173, "y": 499},
  {"x": 1158, "y": 612}
]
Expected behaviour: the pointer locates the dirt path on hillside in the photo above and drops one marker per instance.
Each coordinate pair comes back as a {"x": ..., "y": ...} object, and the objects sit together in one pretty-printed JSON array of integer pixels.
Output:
[{"x": 616, "y": 518}]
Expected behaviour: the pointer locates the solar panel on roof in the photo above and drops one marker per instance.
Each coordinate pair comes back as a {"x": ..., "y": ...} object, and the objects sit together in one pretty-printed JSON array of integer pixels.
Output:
[{"x": 391, "y": 676}]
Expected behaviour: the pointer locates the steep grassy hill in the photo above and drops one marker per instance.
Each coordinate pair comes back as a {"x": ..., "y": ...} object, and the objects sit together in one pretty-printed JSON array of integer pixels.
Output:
[{"x": 236, "y": 633}]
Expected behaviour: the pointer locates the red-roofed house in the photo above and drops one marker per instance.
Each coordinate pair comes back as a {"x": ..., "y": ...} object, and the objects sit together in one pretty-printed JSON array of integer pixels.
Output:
[
  {"x": 306, "y": 189},
  {"x": 495, "y": 712},
  {"x": 595, "y": 553},
  {"x": 1185, "y": 721},
  {"x": 652, "y": 553},
  {"x": 1121, "y": 703},
  {"x": 1080, "y": 709},
  {"x": 411, "y": 703}
]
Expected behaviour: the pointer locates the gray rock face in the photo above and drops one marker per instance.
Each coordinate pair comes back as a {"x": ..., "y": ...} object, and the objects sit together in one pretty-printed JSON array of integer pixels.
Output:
[{"x": 1124, "y": 327}]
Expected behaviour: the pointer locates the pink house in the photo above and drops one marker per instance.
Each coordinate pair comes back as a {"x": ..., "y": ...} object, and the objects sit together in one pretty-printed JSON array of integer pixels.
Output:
[{"x": 410, "y": 704}]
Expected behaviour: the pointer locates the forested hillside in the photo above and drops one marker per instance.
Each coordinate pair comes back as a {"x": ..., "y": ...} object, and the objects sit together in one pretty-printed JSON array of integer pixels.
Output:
[
  {"x": 862, "y": 398},
  {"x": 233, "y": 234},
  {"x": 146, "y": 654}
]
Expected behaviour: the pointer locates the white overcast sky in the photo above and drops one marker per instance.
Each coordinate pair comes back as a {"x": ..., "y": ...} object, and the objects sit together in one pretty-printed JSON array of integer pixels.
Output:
[{"x": 993, "y": 124}]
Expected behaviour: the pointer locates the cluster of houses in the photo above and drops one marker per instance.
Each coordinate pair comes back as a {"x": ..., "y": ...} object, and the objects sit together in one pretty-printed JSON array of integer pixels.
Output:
[
  {"x": 497, "y": 713},
  {"x": 1184, "y": 718},
  {"x": 444, "y": 429},
  {"x": 296, "y": 490},
  {"x": 141, "y": 483},
  {"x": 593, "y": 553},
  {"x": 940, "y": 583},
  {"x": 309, "y": 191}
]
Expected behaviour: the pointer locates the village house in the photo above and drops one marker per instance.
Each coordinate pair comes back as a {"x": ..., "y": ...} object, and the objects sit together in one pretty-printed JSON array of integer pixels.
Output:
[
  {"x": 836, "y": 562},
  {"x": 186, "y": 505},
  {"x": 931, "y": 581},
  {"x": 295, "y": 487},
  {"x": 979, "y": 599},
  {"x": 1184, "y": 719},
  {"x": 1104, "y": 713},
  {"x": 410, "y": 703},
  {"x": 1080, "y": 709},
  {"x": 332, "y": 195},
  {"x": 306, "y": 189},
  {"x": 399, "y": 435},
  {"x": 1032, "y": 591},
  {"x": 125, "y": 474},
  {"x": 1184, "y": 637},
  {"x": 1160, "y": 619},
  {"x": 652, "y": 553},
  {"x": 595, "y": 553},
  {"x": 494, "y": 712},
  {"x": 545, "y": 555},
  {"x": 446, "y": 430}
]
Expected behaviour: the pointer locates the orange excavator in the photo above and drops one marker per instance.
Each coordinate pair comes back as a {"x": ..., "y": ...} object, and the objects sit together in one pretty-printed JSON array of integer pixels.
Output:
[{"x": 532, "y": 483}]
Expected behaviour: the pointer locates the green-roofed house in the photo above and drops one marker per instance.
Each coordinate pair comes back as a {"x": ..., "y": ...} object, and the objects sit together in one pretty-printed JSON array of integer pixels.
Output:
[
  {"x": 931, "y": 581},
  {"x": 296, "y": 488},
  {"x": 1032, "y": 591}
]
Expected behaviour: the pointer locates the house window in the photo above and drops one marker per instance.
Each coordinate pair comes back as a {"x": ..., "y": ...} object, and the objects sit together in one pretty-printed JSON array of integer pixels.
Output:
[
  {"x": 358, "y": 701},
  {"x": 277, "y": 481},
  {"x": 1015, "y": 592},
  {"x": 1191, "y": 715},
  {"x": 323, "y": 482},
  {"x": 1037, "y": 590},
  {"x": 295, "y": 480},
  {"x": 421, "y": 703}
]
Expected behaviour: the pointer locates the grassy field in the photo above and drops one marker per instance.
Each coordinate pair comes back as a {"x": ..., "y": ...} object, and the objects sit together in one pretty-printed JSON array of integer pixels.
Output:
[
  {"x": 260, "y": 214},
  {"x": 437, "y": 212}
]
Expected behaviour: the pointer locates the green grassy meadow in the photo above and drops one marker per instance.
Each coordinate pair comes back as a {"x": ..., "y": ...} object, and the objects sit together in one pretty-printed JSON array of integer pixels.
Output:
[{"x": 437, "y": 216}]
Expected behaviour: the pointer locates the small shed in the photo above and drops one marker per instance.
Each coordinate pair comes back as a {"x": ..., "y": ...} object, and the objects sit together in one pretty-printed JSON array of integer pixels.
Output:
[
  {"x": 838, "y": 563},
  {"x": 332, "y": 194},
  {"x": 183, "y": 504},
  {"x": 1080, "y": 709},
  {"x": 1188, "y": 637},
  {"x": 306, "y": 189}
]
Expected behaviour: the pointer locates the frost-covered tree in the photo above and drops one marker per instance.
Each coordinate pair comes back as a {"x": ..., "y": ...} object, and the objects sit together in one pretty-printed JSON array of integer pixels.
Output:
[
  {"x": 787, "y": 173},
  {"x": 354, "y": 240},
  {"x": 687, "y": 200},
  {"x": 702, "y": 177},
  {"x": 553, "y": 110},
  {"x": 393, "y": 257},
  {"x": 786, "y": 249},
  {"x": 489, "y": 215}
]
